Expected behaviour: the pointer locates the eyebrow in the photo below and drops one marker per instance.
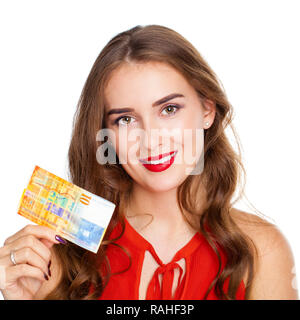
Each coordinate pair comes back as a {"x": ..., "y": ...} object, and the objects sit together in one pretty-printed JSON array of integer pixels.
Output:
[{"x": 156, "y": 103}]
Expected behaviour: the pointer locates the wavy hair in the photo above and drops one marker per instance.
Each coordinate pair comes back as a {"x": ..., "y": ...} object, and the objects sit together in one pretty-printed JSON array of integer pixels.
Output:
[{"x": 221, "y": 176}]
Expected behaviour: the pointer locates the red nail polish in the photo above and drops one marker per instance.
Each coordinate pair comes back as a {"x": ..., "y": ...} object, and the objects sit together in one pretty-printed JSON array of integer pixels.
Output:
[{"x": 46, "y": 277}]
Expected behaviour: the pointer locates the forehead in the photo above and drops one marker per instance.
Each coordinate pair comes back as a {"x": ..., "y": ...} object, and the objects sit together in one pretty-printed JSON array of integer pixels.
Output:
[{"x": 135, "y": 83}]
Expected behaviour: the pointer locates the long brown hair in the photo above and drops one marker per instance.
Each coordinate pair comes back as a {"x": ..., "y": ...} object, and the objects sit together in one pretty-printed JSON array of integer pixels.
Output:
[{"x": 220, "y": 178}]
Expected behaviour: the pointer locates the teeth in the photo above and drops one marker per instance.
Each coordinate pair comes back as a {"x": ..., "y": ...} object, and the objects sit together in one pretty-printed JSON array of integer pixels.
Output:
[{"x": 162, "y": 160}]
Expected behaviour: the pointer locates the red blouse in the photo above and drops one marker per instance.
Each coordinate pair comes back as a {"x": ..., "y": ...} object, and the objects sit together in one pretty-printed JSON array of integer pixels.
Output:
[{"x": 201, "y": 268}]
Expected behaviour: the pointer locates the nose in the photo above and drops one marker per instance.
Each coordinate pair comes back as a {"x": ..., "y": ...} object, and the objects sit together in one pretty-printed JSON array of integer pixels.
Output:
[{"x": 152, "y": 139}]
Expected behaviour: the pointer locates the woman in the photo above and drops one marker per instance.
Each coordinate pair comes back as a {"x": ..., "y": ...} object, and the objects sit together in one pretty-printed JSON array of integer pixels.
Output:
[{"x": 174, "y": 233}]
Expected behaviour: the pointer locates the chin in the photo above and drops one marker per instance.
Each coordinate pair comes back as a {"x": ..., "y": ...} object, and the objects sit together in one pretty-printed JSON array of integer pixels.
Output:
[{"x": 162, "y": 183}]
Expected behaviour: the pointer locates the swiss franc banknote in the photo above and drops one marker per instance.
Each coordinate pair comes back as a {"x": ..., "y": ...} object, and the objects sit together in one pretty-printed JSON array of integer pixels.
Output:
[{"x": 76, "y": 214}]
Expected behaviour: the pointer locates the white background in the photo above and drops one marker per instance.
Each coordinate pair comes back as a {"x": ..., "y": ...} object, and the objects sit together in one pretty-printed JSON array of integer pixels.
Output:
[{"x": 47, "y": 51}]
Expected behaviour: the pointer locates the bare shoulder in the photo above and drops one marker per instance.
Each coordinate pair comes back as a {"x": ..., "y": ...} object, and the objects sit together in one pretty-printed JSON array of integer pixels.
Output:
[
  {"x": 53, "y": 281},
  {"x": 257, "y": 228},
  {"x": 274, "y": 264}
]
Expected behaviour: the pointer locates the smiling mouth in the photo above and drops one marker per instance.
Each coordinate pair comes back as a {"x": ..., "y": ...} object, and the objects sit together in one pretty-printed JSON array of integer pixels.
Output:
[{"x": 162, "y": 158}]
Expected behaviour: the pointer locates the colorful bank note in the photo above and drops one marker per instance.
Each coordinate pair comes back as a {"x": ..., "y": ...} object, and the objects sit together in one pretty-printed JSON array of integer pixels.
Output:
[{"x": 76, "y": 214}]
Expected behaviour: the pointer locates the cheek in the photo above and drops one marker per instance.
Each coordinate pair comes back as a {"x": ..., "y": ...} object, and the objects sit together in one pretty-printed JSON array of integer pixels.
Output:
[
  {"x": 127, "y": 151},
  {"x": 190, "y": 122},
  {"x": 192, "y": 135}
]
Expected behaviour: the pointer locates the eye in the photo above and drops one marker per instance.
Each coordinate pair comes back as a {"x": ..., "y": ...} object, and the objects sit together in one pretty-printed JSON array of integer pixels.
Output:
[
  {"x": 117, "y": 121},
  {"x": 170, "y": 111},
  {"x": 171, "y": 107}
]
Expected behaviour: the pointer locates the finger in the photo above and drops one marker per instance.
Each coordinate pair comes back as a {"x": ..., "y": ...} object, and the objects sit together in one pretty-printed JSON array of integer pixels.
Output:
[
  {"x": 28, "y": 241},
  {"x": 2, "y": 277},
  {"x": 47, "y": 243},
  {"x": 36, "y": 230},
  {"x": 22, "y": 270},
  {"x": 26, "y": 255}
]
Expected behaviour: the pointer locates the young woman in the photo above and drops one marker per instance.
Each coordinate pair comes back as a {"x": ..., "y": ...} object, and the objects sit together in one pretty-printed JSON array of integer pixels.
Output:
[{"x": 175, "y": 233}]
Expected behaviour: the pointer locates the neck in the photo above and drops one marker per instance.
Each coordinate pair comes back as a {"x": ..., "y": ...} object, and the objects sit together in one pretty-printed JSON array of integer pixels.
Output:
[{"x": 163, "y": 206}]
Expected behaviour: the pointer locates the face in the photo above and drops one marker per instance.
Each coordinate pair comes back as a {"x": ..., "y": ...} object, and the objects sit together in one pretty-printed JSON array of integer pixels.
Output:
[{"x": 162, "y": 114}]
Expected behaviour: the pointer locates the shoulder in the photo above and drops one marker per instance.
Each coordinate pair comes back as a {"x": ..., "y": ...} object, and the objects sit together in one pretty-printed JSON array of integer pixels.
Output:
[{"x": 274, "y": 263}]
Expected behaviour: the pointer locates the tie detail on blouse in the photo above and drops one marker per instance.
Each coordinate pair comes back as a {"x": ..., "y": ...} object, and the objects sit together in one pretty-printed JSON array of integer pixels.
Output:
[
  {"x": 201, "y": 266},
  {"x": 157, "y": 292}
]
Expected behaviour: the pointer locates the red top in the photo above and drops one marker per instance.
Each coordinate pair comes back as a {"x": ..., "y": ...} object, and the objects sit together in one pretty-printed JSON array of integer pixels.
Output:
[{"x": 201, "y": 268}]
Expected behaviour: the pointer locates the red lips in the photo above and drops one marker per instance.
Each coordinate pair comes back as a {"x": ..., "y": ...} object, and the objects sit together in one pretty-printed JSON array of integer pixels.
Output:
[
  {"x": 157, "y": 157},
  {"x": 160, "y": 166}
]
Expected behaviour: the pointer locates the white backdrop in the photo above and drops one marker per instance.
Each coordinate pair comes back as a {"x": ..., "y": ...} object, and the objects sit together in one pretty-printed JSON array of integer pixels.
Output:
[{"x": 47, "y": 51}]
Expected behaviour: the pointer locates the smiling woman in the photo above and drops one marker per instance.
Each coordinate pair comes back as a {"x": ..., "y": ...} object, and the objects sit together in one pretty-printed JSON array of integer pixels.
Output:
[
  {"x": 139, "y": 84},
  {"x": 197, "y": 245}
]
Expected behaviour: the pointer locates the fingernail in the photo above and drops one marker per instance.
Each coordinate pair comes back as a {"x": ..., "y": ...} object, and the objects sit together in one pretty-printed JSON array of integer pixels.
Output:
[
  {"x": 49, "y": 272},
  {"x": 46, "y": 277},
  {"x": 61, "y": 240}
]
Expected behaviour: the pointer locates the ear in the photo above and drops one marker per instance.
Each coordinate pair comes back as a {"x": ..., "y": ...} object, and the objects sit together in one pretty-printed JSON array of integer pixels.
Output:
[{"x": 209, "y": 112}]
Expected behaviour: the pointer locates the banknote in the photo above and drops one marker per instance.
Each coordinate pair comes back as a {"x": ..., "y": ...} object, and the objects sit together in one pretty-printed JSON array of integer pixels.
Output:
[{"x": 74, "y": 213}]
